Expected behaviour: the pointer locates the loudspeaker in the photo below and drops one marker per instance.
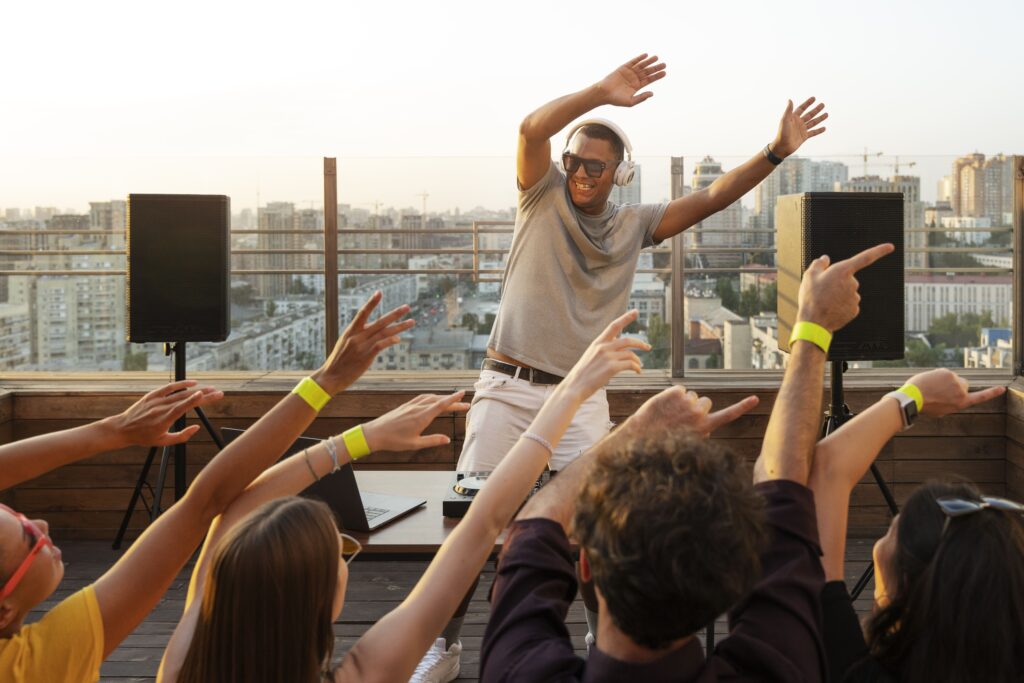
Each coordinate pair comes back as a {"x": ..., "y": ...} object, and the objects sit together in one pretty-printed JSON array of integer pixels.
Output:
[
  {"x": 179, "y": 267},
  {"x": 842, "y": 224}
]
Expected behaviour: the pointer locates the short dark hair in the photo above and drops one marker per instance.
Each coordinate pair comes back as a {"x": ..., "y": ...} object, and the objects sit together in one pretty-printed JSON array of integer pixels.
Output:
[
  {"x": 954, "y": 613},
  {"x": 672, "y": 528},
  {"x": 596, "y": 131}
]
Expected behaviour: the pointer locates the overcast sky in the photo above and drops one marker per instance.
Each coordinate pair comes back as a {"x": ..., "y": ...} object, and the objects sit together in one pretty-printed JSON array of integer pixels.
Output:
[{"x": 105, "y": 98}]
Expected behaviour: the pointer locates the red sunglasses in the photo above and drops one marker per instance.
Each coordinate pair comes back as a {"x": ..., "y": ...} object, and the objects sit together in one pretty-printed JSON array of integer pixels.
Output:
[{"x": 39, "y": 541}]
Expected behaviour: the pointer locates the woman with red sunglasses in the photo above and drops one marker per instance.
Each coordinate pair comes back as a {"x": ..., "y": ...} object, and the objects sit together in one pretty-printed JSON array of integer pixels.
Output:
[
  {"x": 948, "y": 575},
  {"x": 72, "y": 639}
]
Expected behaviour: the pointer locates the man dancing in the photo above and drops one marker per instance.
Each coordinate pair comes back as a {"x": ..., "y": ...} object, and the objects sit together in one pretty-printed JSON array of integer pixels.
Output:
[{"x": 571, "y": 266}]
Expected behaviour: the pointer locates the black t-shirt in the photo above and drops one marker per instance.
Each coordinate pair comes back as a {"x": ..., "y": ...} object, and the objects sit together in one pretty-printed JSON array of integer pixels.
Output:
[
  {"x": 848, "y": 658},
  {"x": 774, "y": 632}
]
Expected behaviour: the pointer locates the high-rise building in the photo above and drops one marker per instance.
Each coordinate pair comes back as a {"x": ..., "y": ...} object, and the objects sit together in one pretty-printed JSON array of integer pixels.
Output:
[
  {"x": 967, "y": 182},
  {"x": 997, "y": 189},
  {"x": 628, "y": 194},
  {"x": 723, "y": 229},
  {"x": 273, "y": 217},
  {"x": 679, "y": 186},
  {"x": 795, "y": 175}
]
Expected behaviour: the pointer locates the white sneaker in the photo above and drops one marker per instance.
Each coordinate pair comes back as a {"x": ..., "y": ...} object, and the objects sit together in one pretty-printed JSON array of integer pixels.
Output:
[{"x": 439, "y": 665}]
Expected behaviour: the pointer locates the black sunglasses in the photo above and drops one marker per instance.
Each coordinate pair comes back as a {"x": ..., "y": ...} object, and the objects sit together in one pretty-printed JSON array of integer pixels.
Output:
[
  {"x": 592, "y": 167},
  {"x": 958, "y": 507}
]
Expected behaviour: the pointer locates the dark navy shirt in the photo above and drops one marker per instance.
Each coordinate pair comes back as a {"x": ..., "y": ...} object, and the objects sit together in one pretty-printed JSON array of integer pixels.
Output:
[{"x": 774, "y": 632}]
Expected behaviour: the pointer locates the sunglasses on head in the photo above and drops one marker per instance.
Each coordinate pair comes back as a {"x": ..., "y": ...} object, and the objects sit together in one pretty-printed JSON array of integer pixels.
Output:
[
  {"x": 958, "y": 507},
  {"x": 593, "y": 167},
  {"x": 350, "y": 547},
  {"x": 39, "y": 541}
]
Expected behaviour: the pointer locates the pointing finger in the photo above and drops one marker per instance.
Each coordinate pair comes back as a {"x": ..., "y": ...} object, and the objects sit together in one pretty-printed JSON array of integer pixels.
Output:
[
  {"x": 730, "y": 413},
  {"x": 867, "y": 257}
]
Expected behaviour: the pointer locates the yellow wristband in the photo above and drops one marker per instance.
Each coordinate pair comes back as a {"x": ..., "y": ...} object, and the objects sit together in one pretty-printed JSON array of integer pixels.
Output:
[
  {"x": 312, "y": 393},
  {"x": 355, "y": 442},
  {"x": 812, "y": 332},
  {"x": 914, "y": 393}
]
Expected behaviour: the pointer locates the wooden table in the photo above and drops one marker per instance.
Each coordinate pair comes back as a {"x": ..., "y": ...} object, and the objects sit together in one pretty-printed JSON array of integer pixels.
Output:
[{"x": 421, "y": 531}]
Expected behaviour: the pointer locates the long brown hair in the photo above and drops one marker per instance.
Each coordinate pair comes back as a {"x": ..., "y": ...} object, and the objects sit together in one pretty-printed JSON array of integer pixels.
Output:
[
  {"x": 955, "y": 611},
  {"x": 267, "y": 609}
]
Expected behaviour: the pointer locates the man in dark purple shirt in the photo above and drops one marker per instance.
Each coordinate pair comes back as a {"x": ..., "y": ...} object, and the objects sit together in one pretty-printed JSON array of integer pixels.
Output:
[{"x": 672, "y": 534}]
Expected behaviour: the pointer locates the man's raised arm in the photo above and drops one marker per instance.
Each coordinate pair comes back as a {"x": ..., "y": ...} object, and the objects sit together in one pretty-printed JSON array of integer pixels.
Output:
[
  {"x": 828, "y": 299},
  {"x": 619, "y": 88},
  {"x": 795, "y": 127}
]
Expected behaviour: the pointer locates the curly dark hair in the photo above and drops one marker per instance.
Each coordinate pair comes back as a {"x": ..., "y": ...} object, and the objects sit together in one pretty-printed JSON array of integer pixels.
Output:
[
  {"x": 954, "y": 613},
  {"x": 673, "y": 530}
]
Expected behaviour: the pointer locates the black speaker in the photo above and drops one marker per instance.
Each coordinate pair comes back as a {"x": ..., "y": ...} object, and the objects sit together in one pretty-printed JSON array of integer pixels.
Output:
[
  {"x": 179, "y": 261},
  {"x": 842, "y": 224}
]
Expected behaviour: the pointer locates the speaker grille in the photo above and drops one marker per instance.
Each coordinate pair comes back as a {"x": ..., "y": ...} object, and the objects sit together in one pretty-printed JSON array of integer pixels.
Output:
[
  {"x": 842, "y": 224},
  {"x": 178, "y": 274}
]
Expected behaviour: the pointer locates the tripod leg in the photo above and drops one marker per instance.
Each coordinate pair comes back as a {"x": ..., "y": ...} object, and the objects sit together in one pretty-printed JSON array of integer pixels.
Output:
[
  {"x": 886, "y": 493},
  {"x": 160, "y": 479},
  {"x": 862, "y": 582},
  {"x": 135, "y": 498},
  {"x": 709, "y": 639},
  {"x": 214, "y": 433}
]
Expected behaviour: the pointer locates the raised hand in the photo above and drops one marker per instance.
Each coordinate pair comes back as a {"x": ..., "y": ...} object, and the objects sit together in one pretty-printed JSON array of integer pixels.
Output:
[
  {"x": 828, "y": 293},
  {"x": 677, "y": 408},
  {"x": 945, "y": 392},
  {"x": 797, "y": 125},
  {"x": 359, "y": 344},
  {"x": 402, "y": 428},
  {"x": 147, "y": 421},
  {"x": 607, "y": 356},
  {"x": 620, "y": 86}
]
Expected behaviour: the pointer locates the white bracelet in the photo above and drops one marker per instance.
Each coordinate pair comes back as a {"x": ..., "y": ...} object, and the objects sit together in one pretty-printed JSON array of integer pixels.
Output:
[
  {"x": 333, "y": 451},
  {"x": 305, "y": 455},
  {"x": 539, "y": 439}
]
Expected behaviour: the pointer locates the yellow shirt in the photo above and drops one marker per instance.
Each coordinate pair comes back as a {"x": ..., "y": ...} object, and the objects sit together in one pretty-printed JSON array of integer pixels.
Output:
[{"x": 66, "y": 645}]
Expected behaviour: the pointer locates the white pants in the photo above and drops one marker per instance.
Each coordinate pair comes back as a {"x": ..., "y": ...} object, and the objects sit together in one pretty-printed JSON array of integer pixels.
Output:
[{"x": 503, "y": 408}]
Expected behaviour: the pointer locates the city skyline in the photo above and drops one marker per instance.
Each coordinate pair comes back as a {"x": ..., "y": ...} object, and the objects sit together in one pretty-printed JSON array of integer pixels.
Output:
[{"x": 104, "y": 101}]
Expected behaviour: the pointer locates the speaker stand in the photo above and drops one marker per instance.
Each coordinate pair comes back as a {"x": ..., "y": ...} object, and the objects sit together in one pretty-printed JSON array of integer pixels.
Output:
[
  {"x": 838, "y": 413},
  {"x": 180, "y": 451}
]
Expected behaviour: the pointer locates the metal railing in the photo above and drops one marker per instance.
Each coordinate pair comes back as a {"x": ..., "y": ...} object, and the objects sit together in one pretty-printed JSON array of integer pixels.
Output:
[{"x": 675, "y": 250}]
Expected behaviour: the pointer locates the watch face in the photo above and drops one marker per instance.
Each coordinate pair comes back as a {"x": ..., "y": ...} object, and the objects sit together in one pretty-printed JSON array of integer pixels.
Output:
[{"x": 911, "y": 410}]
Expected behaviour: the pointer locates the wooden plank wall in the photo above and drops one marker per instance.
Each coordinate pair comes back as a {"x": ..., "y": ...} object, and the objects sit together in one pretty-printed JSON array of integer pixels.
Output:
[
  {"x": 1015, "y": 441},
  {"x": 87, "y": 499}
]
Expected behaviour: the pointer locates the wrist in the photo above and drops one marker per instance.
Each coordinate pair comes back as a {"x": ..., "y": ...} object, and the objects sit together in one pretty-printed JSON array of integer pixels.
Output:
[
  {"x": 110, "y": 433},
  {"x": 778, "y": 149},
  {"x": 812, "y": 333},
  {"x": 328, "y": 383},
  {"x": 371, "y": 433}
]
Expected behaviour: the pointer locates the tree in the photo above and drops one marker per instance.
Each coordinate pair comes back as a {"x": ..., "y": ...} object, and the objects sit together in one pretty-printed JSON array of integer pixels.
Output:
[
  {"x": 723, "y": 287},
  {"x": 135, "y": 361},
  {"x": 659, "y": 336},
  {"x": 770, "y": 297},
  {"x": 750, "y": 302},
  {"x": 470, "y": 321},
  {"x": 959, "y": 330},
  {"x": 242, "y": 295},
  {"x": 270, "y": 308},
  {"x": 486, "y": 325}
]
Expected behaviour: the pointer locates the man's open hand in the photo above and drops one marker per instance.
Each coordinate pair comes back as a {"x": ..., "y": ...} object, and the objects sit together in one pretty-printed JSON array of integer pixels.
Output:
[
  {"x": 620, "y": 86},
  {"x": 796, "y": 126}
]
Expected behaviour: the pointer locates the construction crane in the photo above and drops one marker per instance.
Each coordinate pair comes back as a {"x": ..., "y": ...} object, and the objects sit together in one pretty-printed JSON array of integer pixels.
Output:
[
  {"x": 896, "y": 166},
  {"x": 866, "y": 155}
]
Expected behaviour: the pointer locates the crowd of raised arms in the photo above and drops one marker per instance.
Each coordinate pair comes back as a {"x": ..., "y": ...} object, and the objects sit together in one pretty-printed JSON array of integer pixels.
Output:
[{"x": 657, "y": 526}]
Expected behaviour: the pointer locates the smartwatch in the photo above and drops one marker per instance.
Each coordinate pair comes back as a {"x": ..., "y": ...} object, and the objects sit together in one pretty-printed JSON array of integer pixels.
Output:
[{"x": 908, "y": 407}]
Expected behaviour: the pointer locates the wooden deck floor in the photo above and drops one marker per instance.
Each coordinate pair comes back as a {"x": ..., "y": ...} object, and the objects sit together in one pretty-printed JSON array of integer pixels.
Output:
[{"x": 375, "y": 587}]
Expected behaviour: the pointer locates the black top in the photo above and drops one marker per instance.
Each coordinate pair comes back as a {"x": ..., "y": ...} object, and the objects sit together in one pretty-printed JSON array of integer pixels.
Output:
[
  {"x": 848, "y": 660},
  {"x": 774, "y": 632}
]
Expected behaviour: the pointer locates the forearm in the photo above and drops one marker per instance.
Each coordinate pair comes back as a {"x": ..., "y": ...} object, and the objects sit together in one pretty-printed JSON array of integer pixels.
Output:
[
  {"x": 840, "y": 460},
  {"x": 557, "y": 500},
  {"x": 794, "y": 423},
  {"x": 546, "y": 121},
  {"x": 26, "y": 459},
  {"x": 739, "y": 181}
]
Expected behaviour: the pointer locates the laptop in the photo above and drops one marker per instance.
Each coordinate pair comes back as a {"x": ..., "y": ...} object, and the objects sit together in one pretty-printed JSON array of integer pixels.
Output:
[{"x": 358, "y": 511}]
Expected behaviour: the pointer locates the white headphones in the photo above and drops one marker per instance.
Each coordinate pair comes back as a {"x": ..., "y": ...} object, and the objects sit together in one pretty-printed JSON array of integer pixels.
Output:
[{"x": 626, "y": 169}]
